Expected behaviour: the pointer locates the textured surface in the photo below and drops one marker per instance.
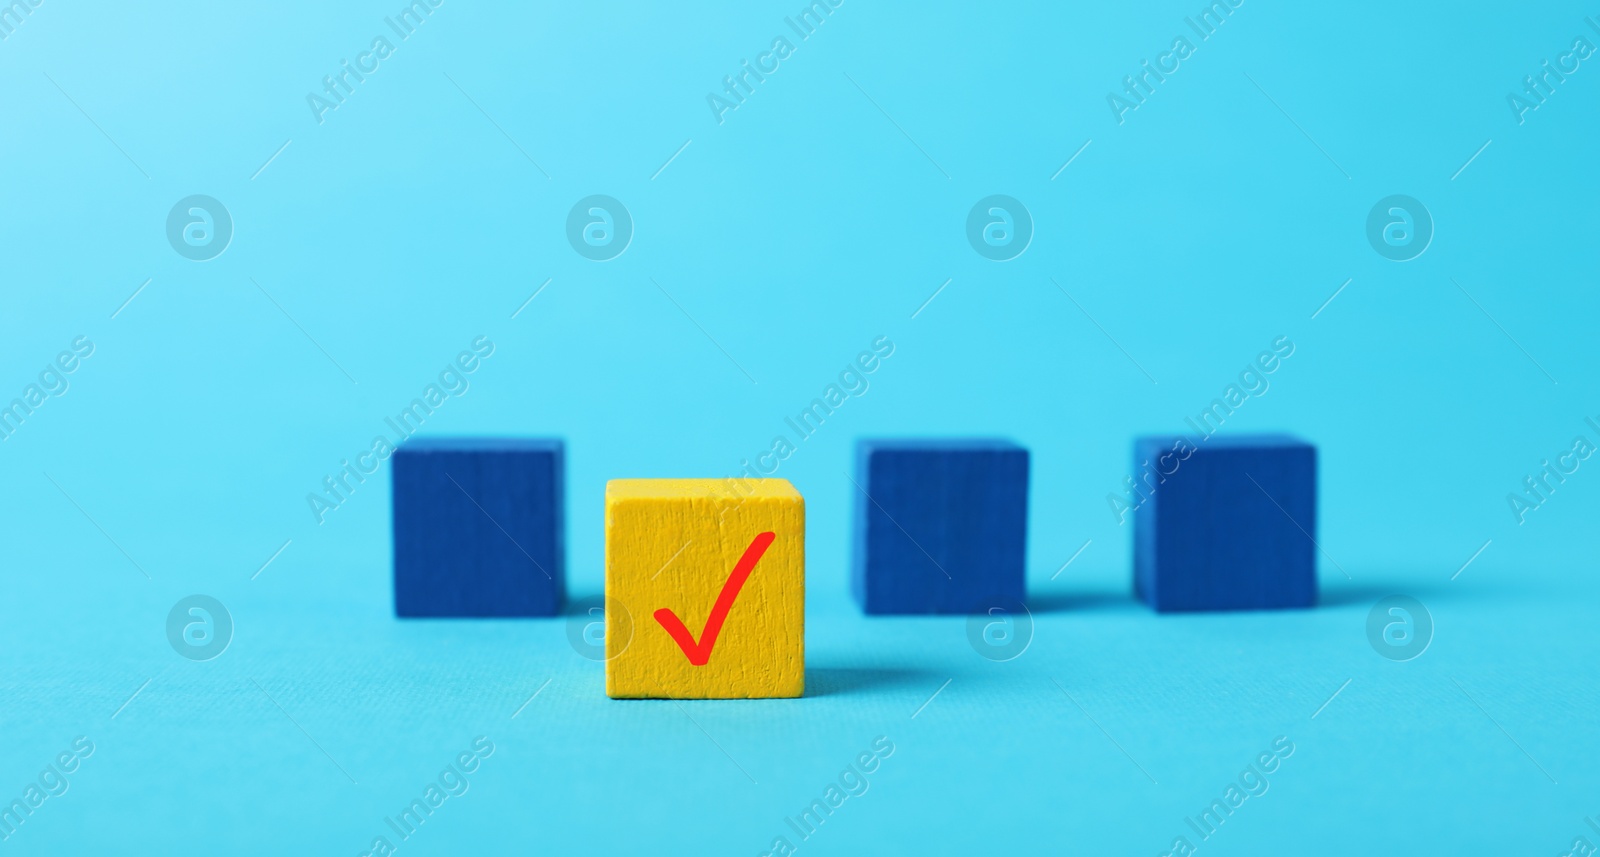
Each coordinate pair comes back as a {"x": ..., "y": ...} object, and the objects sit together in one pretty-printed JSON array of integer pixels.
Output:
[
  {"x": 1228, "y": 523},
  {"x": 940, "y": 525},
  {"x": 671, "y": 544},
  {"x": 479, "y": 527}
]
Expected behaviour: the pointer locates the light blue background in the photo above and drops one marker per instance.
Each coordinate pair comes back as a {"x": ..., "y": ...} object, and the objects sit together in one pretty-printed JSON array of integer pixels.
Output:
[{"x": 794, "y": 233}]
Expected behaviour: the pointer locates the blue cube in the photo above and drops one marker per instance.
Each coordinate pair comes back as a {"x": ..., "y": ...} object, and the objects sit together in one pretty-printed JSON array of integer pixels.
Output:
[
  {"x": 1226, "y": 523},
  {"x": 478, "y": 527},
  {"x": 940, "y": 525}
]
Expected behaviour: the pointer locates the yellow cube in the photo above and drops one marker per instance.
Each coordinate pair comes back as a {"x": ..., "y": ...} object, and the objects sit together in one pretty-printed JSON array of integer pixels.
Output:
[{"x": 714, "y": 584}]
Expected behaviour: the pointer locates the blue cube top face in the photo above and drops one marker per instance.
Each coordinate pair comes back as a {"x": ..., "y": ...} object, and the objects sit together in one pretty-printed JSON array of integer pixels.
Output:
[
  {"x": 1227, "y": 524},
  {"x": 479, "y": 527},
  {"x": 1238, "y": 441},
  {"x": 484, "y": 444},
  {"x": 940, "y": 526}
]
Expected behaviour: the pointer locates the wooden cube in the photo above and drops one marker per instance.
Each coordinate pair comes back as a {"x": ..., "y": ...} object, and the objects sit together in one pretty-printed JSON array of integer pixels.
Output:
[
  {"x": 940, "y": 525},
  {"x": 478, "y": 527},
  {"x": 1228, "y": 523},
  {"x": 714, "y": 583}
]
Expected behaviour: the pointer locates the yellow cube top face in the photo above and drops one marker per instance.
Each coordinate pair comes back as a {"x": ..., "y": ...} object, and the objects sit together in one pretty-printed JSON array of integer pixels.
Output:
[{"x": 713, "y": 583}]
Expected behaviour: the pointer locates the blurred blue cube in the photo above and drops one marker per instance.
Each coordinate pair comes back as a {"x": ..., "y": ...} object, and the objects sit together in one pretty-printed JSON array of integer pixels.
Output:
[
  {"x": 479, "y": 527},
  {"x": 1225, "y": 523},
  {"x": 940, "y": 526}
]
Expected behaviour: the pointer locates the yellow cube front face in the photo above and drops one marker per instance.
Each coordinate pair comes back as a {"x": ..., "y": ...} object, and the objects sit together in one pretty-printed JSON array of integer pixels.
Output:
[{"x": 714, "y": 584}]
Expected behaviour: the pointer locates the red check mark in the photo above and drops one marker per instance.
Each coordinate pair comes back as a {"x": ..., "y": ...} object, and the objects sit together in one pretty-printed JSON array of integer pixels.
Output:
[{"x": 700, "y": 652}]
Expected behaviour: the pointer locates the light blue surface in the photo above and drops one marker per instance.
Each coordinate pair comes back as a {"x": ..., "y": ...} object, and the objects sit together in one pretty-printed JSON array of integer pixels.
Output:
[{"x": 774, "y": 248}]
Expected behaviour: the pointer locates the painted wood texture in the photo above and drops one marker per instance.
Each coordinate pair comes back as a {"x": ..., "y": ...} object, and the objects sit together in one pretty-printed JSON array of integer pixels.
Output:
[
  {"x": 940, "y": 525},
  {"x": 478, "y": 527},
  {"x": 1227, "y": 524},
  {"x": 672, "y": 546}
]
